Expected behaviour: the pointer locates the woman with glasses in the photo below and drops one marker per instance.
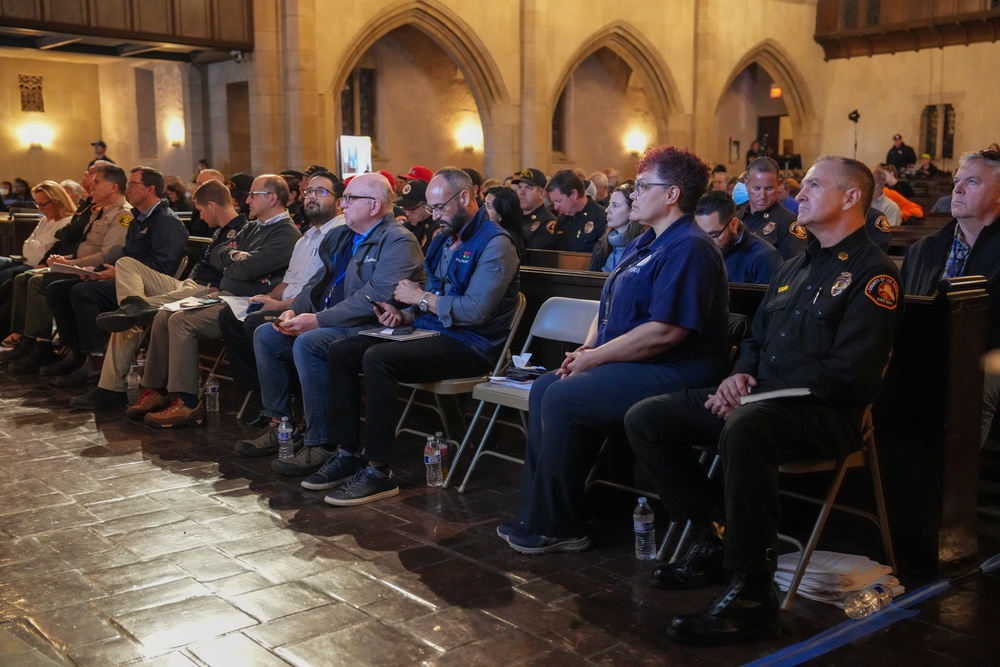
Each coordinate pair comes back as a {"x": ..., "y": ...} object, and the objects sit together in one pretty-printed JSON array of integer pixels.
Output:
[
  {"x": 57, "y": 210},
  {"x": 611, "y": 247},
  {"x": 504, "y": 208},
  {"x": 662, "y": 325}
]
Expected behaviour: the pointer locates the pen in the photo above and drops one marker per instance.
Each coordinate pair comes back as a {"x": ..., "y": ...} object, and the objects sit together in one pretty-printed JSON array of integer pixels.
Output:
[{"x": 817, "y": 295}]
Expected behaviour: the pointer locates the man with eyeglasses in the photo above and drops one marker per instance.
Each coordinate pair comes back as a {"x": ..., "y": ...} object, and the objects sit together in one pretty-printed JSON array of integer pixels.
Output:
[
  {"x": 749, "y": 258},
  {"x": 364, "y": 259},
  {"x": 252, "y": 263},
  {"x": 764, "y": 216},
  {"x": 156, "y": 238},
  {"x": 581, "y": 220},
  {"x": 538, "y": 221},
  {"x": 470, "y": 295},
  {"x": 141, "y": 291},
  {"x": 969, "y": 245},
  {"x": 419, "y": 220}
]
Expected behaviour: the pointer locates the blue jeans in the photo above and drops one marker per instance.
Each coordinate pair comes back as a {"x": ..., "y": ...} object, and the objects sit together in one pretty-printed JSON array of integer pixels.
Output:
[
  {"x": 569, "y": 418},
  {"x": 275, "y": 351}
]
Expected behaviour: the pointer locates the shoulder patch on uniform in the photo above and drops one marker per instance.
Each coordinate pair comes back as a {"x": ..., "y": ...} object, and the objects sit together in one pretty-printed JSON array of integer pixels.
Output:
[
  {"x": 884, "y": 291},
  {"x": 797, "y": 230},
  {"x": 882, "y": 224},
  {"x": 550, "y": 227},
  {"x": 783, "y": 288},
  {"x": 768, "y": 228},
  {"x": 125, "y": 220}
]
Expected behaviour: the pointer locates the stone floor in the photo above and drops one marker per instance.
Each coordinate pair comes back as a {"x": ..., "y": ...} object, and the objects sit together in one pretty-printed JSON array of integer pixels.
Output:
[{"x": 123, "y": 545}]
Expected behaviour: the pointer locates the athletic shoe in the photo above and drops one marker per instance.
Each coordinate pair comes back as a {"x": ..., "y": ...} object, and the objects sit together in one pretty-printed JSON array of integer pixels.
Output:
[
  {"x": 367, "y": 486},
  {"x": 505, "y": 529},
  {"x": 177, "y": 414},
  {"x": 149, "y": 401},
  {"x": 336, "y": 471},
  {"x": 305, "y": 462},
  {"x": 522, "y": 541}
]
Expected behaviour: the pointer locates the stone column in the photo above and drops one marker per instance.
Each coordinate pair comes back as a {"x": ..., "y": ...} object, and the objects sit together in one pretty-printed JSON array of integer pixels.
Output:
[{"x": 536, "y": 112}]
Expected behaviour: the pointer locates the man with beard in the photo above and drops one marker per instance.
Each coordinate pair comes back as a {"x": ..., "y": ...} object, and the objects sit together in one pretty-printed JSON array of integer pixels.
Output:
[
  {"x": 365, "y": 258},
  {"x": 764, "y": 216},
  {"x": 749, "y": 258},
  {"x": 470, "y": 296}
]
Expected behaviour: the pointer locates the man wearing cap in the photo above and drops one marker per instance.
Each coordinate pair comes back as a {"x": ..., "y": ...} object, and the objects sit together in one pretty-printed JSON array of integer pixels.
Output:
[
  {"x": 539, "y": 222},
  {"x": 581, "y": 220},
  {"x": 927, "y": 169},
  {"x": 417, "y": 172},
  {"x": 900, "y": 155},
  {"x": 100, "y": 153},
  {"x": 419, "y": 220}
]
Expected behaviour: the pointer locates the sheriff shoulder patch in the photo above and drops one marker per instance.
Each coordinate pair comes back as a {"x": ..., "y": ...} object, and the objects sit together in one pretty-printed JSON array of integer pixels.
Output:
[
  {"x": 125, "y": 220},
  {"x": 884, "y": 291},
  {"x": 797, "y": 230},
  {"x": 882, "y": 224}
]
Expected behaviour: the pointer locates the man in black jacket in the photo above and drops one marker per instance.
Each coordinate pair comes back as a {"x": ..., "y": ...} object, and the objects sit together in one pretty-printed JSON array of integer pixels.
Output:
[{"x": 969, "y": 245}]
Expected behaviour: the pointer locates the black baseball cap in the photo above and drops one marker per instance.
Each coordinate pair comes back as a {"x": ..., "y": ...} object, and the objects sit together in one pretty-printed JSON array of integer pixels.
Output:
[
  {"x": 414, "y": 194},
  {"x": 531, "y": 176}
]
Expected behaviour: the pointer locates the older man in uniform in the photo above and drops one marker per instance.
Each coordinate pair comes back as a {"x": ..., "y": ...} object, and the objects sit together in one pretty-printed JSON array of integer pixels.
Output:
[
  {"x": 749, "y": 258},
  {"x": 825, "y": 326},
  {"x": 968, "y": 245},
  {"x": 764, "y": 216},
  {"x": 538, "y": 221},
  {"x": 581, "y": 220}
]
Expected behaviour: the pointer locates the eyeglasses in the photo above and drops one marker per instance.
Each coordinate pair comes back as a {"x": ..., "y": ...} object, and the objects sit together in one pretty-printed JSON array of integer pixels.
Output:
[
  {"x": 642, "y": 185},
  {"x": 318, "y": 192},
  {"x": 43, "y": 204},
  {"x": 989, "y": 155},
  {"x": 438, "y": 208},
  {"x": 347, "y": 199},
  {"x": 419, "y": 207},
  {"x": 260, "y": 192},
  {"x": 717, "y": 233},
  {"x": 129, "y": 184}
]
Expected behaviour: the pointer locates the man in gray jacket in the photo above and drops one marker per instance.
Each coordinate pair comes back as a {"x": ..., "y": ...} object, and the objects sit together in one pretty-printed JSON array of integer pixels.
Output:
[{"x": 365, "y": 258}]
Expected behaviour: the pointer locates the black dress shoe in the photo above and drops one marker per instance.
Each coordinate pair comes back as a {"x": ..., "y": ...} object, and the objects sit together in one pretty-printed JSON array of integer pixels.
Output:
[
  {"x": 700, "y": 566},
  {"x": 68, "y": 363},
  {"x": 99, "y": 399},
  {"x": 81, "y": 377},
  {"x": 40, "y": 355},
  {"x": 20, "y": 350},
  {"x": 732, "y": 617},
  {"x": 134, "y": 312}
]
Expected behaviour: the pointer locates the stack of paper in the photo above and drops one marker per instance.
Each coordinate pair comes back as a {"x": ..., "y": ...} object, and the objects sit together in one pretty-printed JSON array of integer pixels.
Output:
[{"x": 830, "y": 577}]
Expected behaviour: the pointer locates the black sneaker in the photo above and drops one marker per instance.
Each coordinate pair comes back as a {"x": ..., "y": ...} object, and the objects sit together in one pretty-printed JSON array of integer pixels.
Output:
[
  {"x": 367, "y": 486},
  {"x": 99, "y": 399},
  {"x": 522, "y": 541},
  {"x": 134, "y": 312},
  {"x": 336, "y": 471}
]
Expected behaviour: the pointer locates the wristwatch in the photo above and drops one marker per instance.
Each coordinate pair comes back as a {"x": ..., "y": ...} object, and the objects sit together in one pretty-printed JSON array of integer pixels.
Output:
[{"x": 423, "y": 305}]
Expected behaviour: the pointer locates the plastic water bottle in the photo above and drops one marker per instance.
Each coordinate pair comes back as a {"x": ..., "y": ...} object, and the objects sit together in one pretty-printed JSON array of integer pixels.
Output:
[
  {"x": 442, "y": 445},
  {"x": 432, "y": 459},
  {"x": 286, "y": 449},
  {"x": 211, "y": 393},
  {"x": 645, "y": 531},
  {"x": 866, "y": 602},
  {"x": 132, "y": 380}
]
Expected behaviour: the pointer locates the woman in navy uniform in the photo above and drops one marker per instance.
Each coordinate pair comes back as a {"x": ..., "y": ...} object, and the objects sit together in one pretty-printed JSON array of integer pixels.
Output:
[{"x": 662, "y": 325}]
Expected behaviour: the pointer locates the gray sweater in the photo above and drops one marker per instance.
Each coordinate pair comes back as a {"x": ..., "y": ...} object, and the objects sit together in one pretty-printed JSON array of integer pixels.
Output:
[{"x": 269, "y": 247}]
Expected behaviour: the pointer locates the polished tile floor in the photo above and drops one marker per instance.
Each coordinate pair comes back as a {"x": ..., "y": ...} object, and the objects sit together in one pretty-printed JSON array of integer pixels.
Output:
[{"x": 123, "y": 545}]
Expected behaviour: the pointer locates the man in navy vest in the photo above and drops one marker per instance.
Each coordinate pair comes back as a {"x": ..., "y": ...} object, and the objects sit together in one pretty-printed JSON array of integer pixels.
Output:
[{"x": 470, "y": 296}]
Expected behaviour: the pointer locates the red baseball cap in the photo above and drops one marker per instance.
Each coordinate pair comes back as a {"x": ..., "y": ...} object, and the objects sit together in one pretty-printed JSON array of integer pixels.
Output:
[{"x": 419, "y": 172}]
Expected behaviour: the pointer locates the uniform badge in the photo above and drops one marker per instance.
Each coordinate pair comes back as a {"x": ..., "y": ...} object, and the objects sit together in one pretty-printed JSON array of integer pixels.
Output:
[
  {"x": 797, "y": 230},
  {"x": 882, "y": 224},
  {"x": 842, "y": 282},
  {"x": 231, "y": 234},
  {"x": 767, "y": 216},
  {"x": 534, "y": 227},
  {"x": 768, "y": 228},
  {"x": 587, "y": 228},
  {"x": 551, "y": 227},
  {"x": 125, "y": 220},
  {"x": 407, "y": 188},
  {"x": 884, "y": 291},
  {"x": 527, "y": 173},
  {"x": 842, "y": 256}
]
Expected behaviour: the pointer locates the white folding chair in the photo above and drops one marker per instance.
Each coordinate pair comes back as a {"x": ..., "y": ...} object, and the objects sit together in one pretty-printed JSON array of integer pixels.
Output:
[{"x": 559, "y": 319}]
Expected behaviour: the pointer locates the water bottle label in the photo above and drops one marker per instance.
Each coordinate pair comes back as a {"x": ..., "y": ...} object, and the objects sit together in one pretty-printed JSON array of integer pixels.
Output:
[
  {"x": 432, "y": 459},
  {"x": 285, "y": 436},
  {"x": 642, "y": 526},
  {"x": 212, "y": 390}
]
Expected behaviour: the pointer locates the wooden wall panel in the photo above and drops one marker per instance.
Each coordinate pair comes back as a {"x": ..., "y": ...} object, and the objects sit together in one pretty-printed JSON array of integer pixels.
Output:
[
  {"x": 194, "y": 19},
  {"x": 153, "y": 16},
  {"x": 110, "y": 14}
]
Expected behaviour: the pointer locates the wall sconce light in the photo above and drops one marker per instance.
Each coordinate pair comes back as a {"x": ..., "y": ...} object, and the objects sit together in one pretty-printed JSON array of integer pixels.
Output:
[
  {"x": 635, "y": 142},
  {"x": 469, "y": 136},
  {"x": 775, "y": 91},
  {"x": 35, "y": 135},
  {"x": 175, "y": 132}
]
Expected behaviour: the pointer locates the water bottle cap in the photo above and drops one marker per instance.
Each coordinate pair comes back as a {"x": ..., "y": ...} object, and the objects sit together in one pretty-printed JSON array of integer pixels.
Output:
[{"x": 642, "y": 499}]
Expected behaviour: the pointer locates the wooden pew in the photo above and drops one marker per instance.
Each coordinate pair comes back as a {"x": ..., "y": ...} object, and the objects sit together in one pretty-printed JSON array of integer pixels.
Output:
[
  {"x": 927, "y": 417},
  {"x": 557, "y": 259}
]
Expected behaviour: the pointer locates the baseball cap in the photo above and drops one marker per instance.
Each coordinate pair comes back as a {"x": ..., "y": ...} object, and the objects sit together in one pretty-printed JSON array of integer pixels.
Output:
[
  {"x": 925, "y": 155},
  {"x": 418, "y": 172},
  {"x": 897, "y": 137},
  {"x": 414, "y": 193},
  {"x": 313, "y": 168},
  {"x": 531, "y": 176},
  {"x": 99, "y": 142}
]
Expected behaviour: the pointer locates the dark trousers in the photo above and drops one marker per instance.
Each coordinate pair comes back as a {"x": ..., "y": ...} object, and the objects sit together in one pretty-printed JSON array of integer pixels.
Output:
[
  {"x": 752, "y": 442},
  {"x": 75, "y": 305},
  {"x": 7, "y": 274},
  {"x": 238, "y": 338},
  {"x": 385, "y": 364},
  {"x": 569, "y": 418}
]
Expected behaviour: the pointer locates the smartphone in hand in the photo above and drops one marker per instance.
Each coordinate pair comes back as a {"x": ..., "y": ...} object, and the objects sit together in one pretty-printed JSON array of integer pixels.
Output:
[{"x": 374, "y": 303}]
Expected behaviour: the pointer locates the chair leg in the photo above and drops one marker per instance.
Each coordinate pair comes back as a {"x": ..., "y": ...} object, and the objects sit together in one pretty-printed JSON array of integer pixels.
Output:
[
  {"x": 679, "y": 549},
  {"x": 661, "y": 553},
  {"x": 465, "y": 440},
  {"x": 817, "y": 530},
  {"x": 406, "y": 411},
  {"x": 479, "y": 450},
  {"x": 246, "y": 402},
  {"x": 883, "y": 515}
]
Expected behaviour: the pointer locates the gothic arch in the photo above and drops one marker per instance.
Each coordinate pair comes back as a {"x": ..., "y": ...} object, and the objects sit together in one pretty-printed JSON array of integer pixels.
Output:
[
  {"x": 454, "y": 36},
  {"x": 627, "y": 43},
  {"x": 801, "y": 109}
]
